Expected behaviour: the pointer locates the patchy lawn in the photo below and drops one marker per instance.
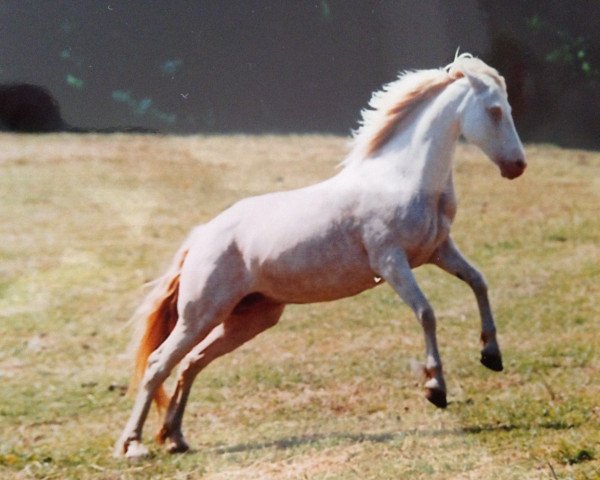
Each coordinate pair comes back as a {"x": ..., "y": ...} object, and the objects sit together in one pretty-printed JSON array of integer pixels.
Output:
[{"x": 330, "y": 392}]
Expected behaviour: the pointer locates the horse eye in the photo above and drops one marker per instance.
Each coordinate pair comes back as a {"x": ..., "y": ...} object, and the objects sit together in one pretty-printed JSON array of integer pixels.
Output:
[{"x": 496, "y": 113}]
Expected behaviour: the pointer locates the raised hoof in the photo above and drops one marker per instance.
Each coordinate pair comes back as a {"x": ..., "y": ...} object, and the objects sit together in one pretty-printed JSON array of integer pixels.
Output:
[
  {"x": 492, "y": 361},
  {"x": 437, "y": 397}
]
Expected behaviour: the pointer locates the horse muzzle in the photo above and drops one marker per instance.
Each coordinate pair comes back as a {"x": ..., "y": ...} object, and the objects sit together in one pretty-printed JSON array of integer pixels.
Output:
[{"x": 512, "y": 168}]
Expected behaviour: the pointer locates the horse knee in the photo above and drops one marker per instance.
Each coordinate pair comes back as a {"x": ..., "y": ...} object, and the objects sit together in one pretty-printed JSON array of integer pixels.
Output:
[
  {"x": 426, "y": 316},
  {"x": 477, "y": 282}
]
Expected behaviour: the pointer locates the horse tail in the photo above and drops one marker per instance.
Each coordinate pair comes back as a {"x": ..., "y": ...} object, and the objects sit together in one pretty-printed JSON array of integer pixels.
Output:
[{"x": 156, "y": 318}]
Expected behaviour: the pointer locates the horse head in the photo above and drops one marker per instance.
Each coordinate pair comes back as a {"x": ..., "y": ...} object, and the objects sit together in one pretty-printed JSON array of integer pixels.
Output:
[{"x": 486, "y": 121}]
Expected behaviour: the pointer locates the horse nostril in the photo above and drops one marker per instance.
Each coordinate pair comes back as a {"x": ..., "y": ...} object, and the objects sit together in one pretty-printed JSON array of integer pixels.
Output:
[{"x": 520, "y": 163}]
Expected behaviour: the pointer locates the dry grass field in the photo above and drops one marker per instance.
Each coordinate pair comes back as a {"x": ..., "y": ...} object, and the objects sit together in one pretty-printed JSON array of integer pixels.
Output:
[{"x": 330, "y": 392}]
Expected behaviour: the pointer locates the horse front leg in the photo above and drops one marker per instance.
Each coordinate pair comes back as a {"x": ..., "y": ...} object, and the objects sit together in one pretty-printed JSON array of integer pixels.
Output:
[
  {"x": 395, "y": 269},
  {"x": 449, "y": 258}
]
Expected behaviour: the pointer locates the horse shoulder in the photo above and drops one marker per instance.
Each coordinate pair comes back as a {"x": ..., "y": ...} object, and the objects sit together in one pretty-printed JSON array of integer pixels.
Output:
[{"x": 415, "y": 223}]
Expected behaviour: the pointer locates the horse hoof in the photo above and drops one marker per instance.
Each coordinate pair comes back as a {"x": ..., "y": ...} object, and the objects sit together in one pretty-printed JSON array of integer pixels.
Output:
[
  {"x": 437, "y": 397},
  {"x": 492, "y": 361},
  {"x": 135, "y": 450},
  {"x": 177, "y": 446},
  {"x": 174, "y": 442}
]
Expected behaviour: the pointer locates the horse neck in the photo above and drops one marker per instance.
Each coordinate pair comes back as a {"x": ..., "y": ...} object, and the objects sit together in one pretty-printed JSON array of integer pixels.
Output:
[{"x": 421, "y": 154}]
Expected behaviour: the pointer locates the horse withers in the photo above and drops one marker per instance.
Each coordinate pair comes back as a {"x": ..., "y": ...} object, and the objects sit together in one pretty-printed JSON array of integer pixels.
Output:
[{"x": 387, "y": 211}]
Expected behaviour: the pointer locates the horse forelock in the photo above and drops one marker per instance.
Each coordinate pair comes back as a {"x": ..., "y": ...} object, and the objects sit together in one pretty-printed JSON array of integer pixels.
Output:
[
  {"x": 389, "y": 106},
  {"x": 466, "y": 64}
]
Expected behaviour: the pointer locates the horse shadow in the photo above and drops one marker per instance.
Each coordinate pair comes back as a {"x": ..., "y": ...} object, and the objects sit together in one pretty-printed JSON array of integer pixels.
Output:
[{"x": 383, "y": 437}]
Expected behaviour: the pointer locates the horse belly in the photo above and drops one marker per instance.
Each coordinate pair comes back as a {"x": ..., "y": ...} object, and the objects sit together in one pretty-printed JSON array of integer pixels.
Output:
[
  {"x": 317, "y": 286},
  {"x": 306, "y": 277}
]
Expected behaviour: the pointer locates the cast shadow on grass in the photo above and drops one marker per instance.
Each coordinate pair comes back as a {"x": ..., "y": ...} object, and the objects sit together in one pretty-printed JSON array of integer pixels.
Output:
[{"x": 385, "y": 437}]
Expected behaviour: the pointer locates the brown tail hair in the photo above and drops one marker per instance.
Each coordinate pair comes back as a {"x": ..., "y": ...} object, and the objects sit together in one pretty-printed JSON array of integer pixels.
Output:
[{"x": 157, "y": 317}]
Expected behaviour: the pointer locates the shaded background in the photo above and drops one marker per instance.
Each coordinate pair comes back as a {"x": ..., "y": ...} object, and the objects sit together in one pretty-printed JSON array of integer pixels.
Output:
[{"x": 301, "y": 66}]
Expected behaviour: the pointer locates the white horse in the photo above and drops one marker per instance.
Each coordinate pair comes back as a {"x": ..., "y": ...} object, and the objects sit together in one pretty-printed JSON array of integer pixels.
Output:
[{"x": 387, "y": 211}]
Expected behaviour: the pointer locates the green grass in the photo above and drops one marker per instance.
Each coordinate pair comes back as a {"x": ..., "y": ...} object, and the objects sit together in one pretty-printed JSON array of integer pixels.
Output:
[{"x": 330, "y": 392}]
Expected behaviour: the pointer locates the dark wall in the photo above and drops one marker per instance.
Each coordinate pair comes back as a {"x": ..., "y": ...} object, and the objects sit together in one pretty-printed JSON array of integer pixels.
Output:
[{"x": 191, "y": 66}]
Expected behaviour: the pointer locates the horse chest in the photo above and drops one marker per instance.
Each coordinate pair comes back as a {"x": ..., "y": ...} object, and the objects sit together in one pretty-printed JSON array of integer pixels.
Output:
[{"x": 423, "y": 226}]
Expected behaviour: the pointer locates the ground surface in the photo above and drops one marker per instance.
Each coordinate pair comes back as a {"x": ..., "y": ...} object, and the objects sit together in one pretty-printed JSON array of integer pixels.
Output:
[{"x": 330, "y": 392}]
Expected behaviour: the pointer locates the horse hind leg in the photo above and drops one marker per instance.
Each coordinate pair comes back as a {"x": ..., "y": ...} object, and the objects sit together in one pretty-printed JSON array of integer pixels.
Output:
[
  {"x": 253, "y": 315},
  {"x": 160, "y": 364},
  {"x": 187, "y": 333}
]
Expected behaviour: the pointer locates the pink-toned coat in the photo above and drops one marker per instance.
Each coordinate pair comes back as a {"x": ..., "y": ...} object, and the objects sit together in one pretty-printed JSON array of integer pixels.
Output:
[{"x": 386, "y": 212}]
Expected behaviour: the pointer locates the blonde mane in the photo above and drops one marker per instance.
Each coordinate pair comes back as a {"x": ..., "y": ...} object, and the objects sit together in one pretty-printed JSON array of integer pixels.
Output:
[{"x": 396, "y": 100}]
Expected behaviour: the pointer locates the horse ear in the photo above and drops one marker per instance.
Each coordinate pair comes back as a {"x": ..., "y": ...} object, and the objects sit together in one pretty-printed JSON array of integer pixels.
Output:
[{"x": 476, "y": 82}]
